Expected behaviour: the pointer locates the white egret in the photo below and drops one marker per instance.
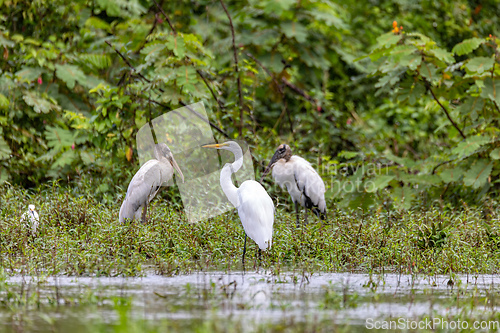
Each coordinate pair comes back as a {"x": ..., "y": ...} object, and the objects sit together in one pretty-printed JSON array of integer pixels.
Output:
[
  {"x": 255, "y": 206},
  {"x": 147, "y": 182},
  {"x": 32, "y": 219},
  {"x": 300, "y": 179}
]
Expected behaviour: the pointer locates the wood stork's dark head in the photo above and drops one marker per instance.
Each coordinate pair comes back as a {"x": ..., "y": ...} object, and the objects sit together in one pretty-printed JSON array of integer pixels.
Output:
[
  {"x": 283, "y": 152},
  {"x": 164, "y": 155}
]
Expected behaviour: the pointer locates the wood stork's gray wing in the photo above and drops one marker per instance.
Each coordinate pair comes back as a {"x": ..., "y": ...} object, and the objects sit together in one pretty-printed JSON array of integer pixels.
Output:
[
  {"x": 309, "y": 182},
  {"x": 146, "y": 182},
  {"x": 256, "y": 211}
]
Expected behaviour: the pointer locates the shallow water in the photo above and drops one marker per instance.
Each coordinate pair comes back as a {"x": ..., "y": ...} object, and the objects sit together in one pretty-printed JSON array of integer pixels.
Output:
[{"x": 249, "y": 300}]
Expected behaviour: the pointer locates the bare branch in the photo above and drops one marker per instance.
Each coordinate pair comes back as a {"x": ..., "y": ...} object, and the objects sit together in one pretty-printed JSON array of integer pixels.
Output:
[
  {"x": 235, "y": 52},
  {"x": 166, "y": 18},
  {"x": 444, "y": 109},
  {"x": 280, "y": 89},
  {"x": 200, "y": 73}
]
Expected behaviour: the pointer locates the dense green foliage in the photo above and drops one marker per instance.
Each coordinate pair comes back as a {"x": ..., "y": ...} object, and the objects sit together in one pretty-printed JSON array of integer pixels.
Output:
[{"x": 417, "y": 104}]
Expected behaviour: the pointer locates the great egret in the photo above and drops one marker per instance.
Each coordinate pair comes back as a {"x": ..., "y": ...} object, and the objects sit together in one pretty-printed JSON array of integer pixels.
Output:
[
  {"x": 255, "y": 206},
  {"x": 301, "y": 180},
  {"x": 147, "y": 182},
  {"x": 32, "y": 219}
]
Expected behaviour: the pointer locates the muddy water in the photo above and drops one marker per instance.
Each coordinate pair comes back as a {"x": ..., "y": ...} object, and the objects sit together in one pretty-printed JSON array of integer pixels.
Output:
[{"x": 248, "y": 300}]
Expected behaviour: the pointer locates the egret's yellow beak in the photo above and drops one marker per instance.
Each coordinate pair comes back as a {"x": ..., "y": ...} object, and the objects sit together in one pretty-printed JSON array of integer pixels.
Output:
[{"x": 216, "y": 145}]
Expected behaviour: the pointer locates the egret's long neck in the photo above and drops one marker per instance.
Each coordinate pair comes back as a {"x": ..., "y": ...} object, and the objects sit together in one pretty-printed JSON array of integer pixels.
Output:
[{"x": 226, "y": 183}]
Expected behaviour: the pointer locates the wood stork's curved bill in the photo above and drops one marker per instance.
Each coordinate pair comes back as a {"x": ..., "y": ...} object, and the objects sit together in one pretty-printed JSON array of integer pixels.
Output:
[
  {"x": 276, "y": 157},
  {"x": 176, "y": 166}
]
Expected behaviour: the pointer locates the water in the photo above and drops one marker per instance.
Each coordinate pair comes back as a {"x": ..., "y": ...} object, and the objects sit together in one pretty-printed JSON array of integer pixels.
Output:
[{"x": 248, "y": 300}]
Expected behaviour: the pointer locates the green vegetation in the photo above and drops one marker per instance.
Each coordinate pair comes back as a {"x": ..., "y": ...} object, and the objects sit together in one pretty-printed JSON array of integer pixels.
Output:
[
  {"x": 80, "y": 236},
  {"x": 409, "y": 87}
]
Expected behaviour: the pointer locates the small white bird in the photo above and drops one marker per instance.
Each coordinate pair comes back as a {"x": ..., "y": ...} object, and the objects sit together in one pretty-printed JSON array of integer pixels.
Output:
[
  {"x": 31, "y": 219},
  {"x": 300, "y": 179},
  {"x": 147, "y": 182},
  {"x": 255, "y": 206}
]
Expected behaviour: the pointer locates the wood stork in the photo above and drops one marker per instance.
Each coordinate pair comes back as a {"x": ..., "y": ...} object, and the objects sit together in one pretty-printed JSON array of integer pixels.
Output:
[
  {"x": 32, "y": 219},
  {"x": 300, "y": 179},
  {"x": 147, "y": 182},
  {"x": 255, "y": 206}
]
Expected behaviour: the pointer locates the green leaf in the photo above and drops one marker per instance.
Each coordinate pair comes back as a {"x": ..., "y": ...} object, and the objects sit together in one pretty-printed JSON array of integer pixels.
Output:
[
  {"x": 491, "y": 90},
  {"x": 467, "y": 46},
  {"x": 4, "y": 102},
  {"x": 152, "y": 49},
  {"x": 66, "y": 158},
  {"x": 495, "y": 154},
  {"x": 478, "y": 174},
  {"x": 70, "y": 74},
  {"x": 177, "y": 45},
  {"x": 294, "y": 30},
  {"x": 58, "y": 138},
  {"x": 378, "y": 183},
  {"x": 4, "y": 175},
  {"x": 406, "y": 162},
  {"x": 470, "y": 145},
  {"x": 452, "y": 174},
  {"x": 403, "y": 197},
  {"x": 348, "y": 154},
  {"x": 480, "y": 64},
  {"x": 429, "y": 71},
  {"x": 361, "y": 200},
  {"x": 98, "y": 61},
  {"x": 97, "y": 23},
  {"x": 4, "y": 149},
  {"x": 443, "y": 55},
  {"x": 388, "y": 39},
  {"x": 39, "y": 103},
  {"x": 29, "y": 73}
]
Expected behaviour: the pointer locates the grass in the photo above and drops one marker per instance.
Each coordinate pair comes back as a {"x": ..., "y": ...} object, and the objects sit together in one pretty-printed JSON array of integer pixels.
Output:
[{"x": 80, "y": 236}]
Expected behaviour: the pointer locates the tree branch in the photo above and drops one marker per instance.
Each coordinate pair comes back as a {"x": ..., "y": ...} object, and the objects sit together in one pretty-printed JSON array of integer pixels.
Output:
[
  {"x": 280, "y": 89},
  {"x": 302, "y": 93},
  {"x": 166, "y": 18},
  {"x": 210, "y": 88},
  {"x": 444, "y": 109},
  {"x": 235, "y": 52}
]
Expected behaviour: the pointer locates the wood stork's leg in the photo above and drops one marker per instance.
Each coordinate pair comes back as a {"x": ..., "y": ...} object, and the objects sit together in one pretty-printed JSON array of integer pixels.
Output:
[
  {"x": 144, "y": 212},
  {"x": 244, "y": 251},
  {"x": 297, "y": 213},
  {"x": 305, "y": 216}
]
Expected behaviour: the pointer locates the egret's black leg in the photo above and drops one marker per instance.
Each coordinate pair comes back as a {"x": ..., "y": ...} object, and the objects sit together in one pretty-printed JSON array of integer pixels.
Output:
[
  {"x": 297, "y": 213},
  {"x": 244, "y": 251},
  {"x": 305, "y": 216},
  {"x": 260, "y": 256}
]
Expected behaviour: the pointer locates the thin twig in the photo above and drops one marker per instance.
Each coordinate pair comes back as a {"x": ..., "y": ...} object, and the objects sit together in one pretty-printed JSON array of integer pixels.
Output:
[
  {"x": 127, "y": 62},
  {"x": 302, "y": 93},
  {"x": 166, "y": 18},
  {"x": 235, "y": 52},
  {"x": 280, "y": 89},
  {"x": 217, "y": 128},
  {"x": 444, "y": 109},
  {"x": 210, "y": 88}
]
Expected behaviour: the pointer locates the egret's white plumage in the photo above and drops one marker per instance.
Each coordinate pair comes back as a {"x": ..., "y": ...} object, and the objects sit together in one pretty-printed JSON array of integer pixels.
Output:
[
  {"x": 255, "y": 206},
  {"x": 32, "y": 219},
  {"x": 302, "y": 182},
  {"x": 147, "y": 182}
]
